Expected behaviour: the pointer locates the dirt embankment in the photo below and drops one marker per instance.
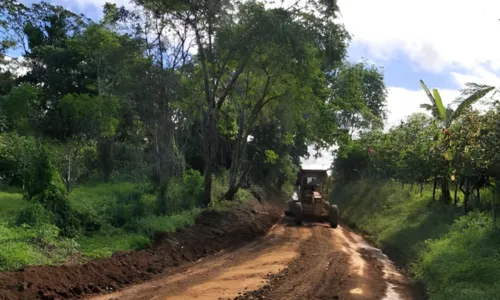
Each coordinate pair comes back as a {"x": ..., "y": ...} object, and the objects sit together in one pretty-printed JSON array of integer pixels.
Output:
[{"x": 213, "y": 232}]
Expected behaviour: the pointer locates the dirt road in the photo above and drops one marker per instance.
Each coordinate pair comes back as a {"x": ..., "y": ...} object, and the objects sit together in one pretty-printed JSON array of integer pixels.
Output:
[{"x": 308, "y": 262}]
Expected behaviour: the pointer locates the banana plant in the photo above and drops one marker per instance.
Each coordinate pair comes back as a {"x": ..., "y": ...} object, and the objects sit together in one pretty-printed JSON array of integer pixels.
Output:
[{"x": 445, "y": 115}]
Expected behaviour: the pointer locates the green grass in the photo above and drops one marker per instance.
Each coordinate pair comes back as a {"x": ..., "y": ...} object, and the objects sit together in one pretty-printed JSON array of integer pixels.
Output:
[
  {"x": 148, "y": 225},
  {"x": 22, "y": 246},
  {"x": 11, "y": 203},
  {"x": 104, "y": 245},
  {"x": 123, "y": 211},
  {"x": 456, "y": 257},
  {"x": 110, "y": 240}
]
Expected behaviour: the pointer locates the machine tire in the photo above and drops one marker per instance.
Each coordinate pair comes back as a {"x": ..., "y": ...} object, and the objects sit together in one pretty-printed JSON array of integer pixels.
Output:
[
  {"x": 333, "y": 217},
  {"x": 297, "y": 214}
]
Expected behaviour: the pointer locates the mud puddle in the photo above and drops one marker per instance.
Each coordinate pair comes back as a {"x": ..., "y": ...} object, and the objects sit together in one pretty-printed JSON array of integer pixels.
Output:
[{"x": 396, "y": 284}]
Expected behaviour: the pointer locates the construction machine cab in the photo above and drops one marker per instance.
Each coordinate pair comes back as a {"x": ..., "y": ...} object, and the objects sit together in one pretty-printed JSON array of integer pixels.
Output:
[
  {"x": 309, "y": 202},
  {"x": 310, "y": 185}
]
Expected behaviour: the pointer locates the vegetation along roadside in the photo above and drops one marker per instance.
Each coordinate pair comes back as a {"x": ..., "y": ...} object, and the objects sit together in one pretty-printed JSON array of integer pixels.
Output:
[{"x": 426, "y": 193}]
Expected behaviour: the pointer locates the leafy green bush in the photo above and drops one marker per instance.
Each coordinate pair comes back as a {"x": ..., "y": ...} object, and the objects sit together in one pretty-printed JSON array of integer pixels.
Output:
[
  {"x": 464, "y": 263},
  {"x": 44, "y": 185},
  {"x": 15, "y": 157},
  {"x": 113, "y": 203},
  {"x": 34, "y": 215},
  {"x": 243, "y": 195},
  {"x": 220, "y": 185},
  {"x": 185, "y": 192},
  {"x": 221, "y": 205}
]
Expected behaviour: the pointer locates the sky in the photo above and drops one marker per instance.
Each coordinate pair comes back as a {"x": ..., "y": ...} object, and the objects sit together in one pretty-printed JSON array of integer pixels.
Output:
[{"x": 446, "y": 43}]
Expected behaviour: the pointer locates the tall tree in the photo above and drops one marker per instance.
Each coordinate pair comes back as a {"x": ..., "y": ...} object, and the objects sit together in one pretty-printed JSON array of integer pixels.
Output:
[{"x": 227, "y": 38}]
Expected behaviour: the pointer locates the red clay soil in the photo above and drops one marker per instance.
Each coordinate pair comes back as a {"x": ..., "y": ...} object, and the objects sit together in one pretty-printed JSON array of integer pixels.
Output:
[{"x": 213, "y": 231}]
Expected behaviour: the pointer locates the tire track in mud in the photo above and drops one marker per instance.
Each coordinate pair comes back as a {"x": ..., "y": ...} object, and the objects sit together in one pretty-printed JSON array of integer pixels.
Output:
[
  {"x": 326, "y": 269},
  {"x": 312, "y": 261},
  {"x": 226, "y": 274}
]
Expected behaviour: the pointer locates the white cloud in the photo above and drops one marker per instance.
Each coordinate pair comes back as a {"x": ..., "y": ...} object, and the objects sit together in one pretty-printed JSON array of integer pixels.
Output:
[
  {"x": 15, "y": 65},
  {"x": 324, "y": 162},
  {"x": 433, "y": 34},
  {"x": 476, "y": 74},
  {"x": 403, "y": 102}
]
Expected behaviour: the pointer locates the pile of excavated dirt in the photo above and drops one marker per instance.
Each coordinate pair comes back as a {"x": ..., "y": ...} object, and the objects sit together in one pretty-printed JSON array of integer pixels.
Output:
[{"x": 213, "y": 231}]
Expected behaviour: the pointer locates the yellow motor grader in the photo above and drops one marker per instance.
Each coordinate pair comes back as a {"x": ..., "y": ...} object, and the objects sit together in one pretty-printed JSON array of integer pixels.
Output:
[{"x": 307, "y": 203}]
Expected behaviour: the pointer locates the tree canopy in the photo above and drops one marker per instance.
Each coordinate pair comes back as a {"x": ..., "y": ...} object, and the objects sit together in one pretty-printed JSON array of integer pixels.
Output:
[{"x": 152, "y": 91}]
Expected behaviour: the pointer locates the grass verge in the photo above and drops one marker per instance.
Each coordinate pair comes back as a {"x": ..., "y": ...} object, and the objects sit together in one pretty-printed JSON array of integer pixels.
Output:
[
  {"x": 454, "y": 256},
  {"x": 122, "y": 217}
]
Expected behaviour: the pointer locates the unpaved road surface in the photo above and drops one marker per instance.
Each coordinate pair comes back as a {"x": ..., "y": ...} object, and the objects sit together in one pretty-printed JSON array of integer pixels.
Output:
[{"x": 312, "y": 261}]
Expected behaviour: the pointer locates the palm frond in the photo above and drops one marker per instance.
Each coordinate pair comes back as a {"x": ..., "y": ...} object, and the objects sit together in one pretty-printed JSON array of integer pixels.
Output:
[
  {"x": 463, "y": 104},
  {"x": 439, "y": 105},
  {"x": 428, "y": 92}
]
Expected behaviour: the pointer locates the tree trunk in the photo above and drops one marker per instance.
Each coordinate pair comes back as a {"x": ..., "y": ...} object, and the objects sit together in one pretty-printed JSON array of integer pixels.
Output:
[
  {"x": 466, "y": 195},
  {"x": 233, "y": 176},
  {"x": 493, "y": 210},
  {"x": 236, "y": 157},
  {"x": 104, "y": 147},
  {"x": 209, "y": 137},
  {"x": 445, "y": 191},
  {"x": 231, "y": 192},
  {"x": 434, "y": 189},
  {"x": 207, "y": 188},
  {"x": 478, "y": 191},
  {"x": 162, "y": 199},
  {"x": 68, "y": 172},
  {"x": 421, "y": 189}
]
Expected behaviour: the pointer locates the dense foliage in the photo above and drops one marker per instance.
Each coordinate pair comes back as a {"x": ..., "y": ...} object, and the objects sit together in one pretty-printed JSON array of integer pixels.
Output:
[
  {"x": 447, "y": 253},
  {"x": 426, "y": 190},
  {"x": 111, "y": 128},
  {"x": 454, "y": 149}
]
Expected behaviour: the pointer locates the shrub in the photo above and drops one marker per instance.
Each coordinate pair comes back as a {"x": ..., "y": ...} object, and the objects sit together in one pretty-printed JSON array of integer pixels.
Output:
[
  {"x": 34, "y": 215},
  {"x": 15, "y": 157},
  {"x": 463, "y": 264},
  {"x": 221, "y": 205},
  {"x": 184, "y": 193},
  {"x": 243, "y": 195},
  {"x": 44, "y": 185},
  {"x": 114, "y": 203}
]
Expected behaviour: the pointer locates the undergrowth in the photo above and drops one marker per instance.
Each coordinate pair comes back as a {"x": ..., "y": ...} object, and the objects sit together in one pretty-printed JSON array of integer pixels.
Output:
[
  {"x": 455, "y": 256},
  {"x": 116, "y": 216},
  {"x": 11, "y": 203}
]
